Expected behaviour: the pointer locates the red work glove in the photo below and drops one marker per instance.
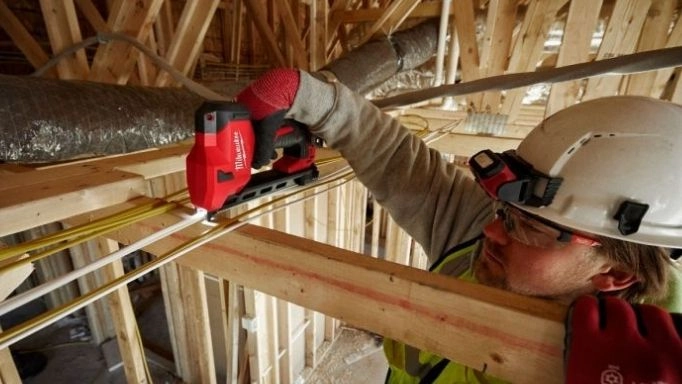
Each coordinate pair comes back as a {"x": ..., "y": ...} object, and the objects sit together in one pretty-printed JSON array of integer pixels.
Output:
[
  {"x": 268, "y": 99},
  {"x": 610, "y": 341}
]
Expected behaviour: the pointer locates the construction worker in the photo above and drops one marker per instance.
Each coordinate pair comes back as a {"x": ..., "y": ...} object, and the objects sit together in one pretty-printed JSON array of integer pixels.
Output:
[{"x": 584, "y": 211}]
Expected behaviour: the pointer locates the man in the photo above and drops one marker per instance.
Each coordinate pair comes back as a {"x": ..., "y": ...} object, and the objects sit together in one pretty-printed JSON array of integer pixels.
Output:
[{"x": 578, "y": 209}]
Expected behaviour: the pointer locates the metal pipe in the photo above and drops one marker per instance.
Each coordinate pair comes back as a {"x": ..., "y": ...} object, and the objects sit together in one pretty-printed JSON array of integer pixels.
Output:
[{"x": 442, "y": 37}]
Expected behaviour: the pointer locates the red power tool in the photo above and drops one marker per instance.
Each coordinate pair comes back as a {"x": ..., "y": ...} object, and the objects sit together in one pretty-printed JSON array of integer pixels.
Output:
[{"x": 219, "y": 164}]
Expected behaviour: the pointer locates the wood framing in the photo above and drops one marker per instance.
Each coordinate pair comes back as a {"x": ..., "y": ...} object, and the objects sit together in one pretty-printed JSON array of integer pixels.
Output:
[
  {"x": 260, "y": 304},
  {"x": 114, "y": 62},
  {"x": 23, "y": 39},
  {"x": 184, "y": 49},
  {"x": 64, "y": 32},
  {"x": 581, "y": 24},
  {"x": 620, "y": 37},
  {"x": 511, "y": 336}
]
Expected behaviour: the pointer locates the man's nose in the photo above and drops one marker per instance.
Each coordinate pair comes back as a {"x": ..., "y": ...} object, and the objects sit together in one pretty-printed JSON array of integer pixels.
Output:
[{"x": 496, "y": 232}]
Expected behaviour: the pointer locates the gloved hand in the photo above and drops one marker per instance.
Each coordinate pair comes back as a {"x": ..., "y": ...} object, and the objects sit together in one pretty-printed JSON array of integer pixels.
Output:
[
  {"x": 268, "y": 99},
  {"x": 610, "y": 341}
]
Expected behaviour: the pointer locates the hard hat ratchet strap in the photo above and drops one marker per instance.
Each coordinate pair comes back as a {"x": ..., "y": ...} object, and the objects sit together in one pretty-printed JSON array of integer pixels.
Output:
[{"x": 507, "y": 177}]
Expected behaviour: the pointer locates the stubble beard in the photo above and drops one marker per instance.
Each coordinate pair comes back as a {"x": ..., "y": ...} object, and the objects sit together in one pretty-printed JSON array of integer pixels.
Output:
[{"x": 486, "y": 275}]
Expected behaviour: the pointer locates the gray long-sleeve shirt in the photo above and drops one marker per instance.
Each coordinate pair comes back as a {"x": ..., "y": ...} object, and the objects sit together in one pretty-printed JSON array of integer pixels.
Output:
[{"x": 436, "y": 203}]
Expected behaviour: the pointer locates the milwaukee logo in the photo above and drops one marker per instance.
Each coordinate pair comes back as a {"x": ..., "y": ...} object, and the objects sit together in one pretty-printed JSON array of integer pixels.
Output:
[{"x": 238, "y": 143}]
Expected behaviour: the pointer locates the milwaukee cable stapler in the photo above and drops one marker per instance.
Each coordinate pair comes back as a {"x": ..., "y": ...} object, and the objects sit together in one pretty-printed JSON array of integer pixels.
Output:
[{"x": 219, "y": 164}]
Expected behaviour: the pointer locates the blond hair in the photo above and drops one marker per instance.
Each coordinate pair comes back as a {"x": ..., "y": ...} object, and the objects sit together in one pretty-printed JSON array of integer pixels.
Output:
[{"x": 649, "y": 264}]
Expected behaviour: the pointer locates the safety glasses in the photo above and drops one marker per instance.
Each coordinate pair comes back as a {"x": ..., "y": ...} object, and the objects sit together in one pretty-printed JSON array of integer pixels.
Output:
[{"x": 535, "y": 231}]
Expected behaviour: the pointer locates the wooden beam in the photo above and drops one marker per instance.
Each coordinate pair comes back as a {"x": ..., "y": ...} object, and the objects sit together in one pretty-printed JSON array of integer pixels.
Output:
[
  {"x": 63, "y": 31},
  {"x": 512, "y": 337},
  {"x": 231, "y": 314},
  {"x": 293, "y": 35},
  {"x": 528, "y": 48},
  {"x": 265, "y": 32},
  {"x": 51, "y": 194},
  {"x": 8, "y": 371},
  {"x": 198, "y": 335},
  {"x": 620, "y": 38},
  {"x": 318, "y": 34},
  {"x": 581, "y": 24},
  {"x": 92, "y": 15},
  {"x": 426, "y": 9},
  {"x": 23, "y": 39},
  {"x": 676, "y": 94},
  {"x": 114, "y": 62},
  {"x": 334, "y": 21},
  {"x": 654, "y": 36},
  {"x": 390, "y": 19},
  {"x": 495, "y": 50},
  {"x": 121, "y": 309},
  {"x": 663, "y": 75},
  {"x": 163, "y": 28},
  {"x": 468, "y": 44},
  {"x": 188, "y": 40}
]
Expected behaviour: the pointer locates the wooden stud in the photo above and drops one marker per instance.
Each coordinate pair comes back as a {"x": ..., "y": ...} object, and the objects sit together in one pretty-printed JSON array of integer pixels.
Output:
[
  {"x": 463, "y": 13},
  {"x": 663, "y": 75},
  {"x": 92, "y": 15},
  {"x": 528, "y": 48},
  {"x": 114, "y": 62},
  {"x": 271, "y": 338},
  {"x": 164, "y": 28},
  {"x": 175, "y": 318},
  {"x": 390, "y": 20},
  {"x": 581, "y": 24},
  {"x": 334, "y": 22},
  {"x": 52, "y": 267},
  {"x": 620, "y": 37},
  {"x": 8, "y": 371},
  {"x": 285, "y": 342},
  {"x": 397, "y": 244},
  {"x": 227, "y": 19},
  {"x": 23, "y": 39},
  {"x": 193, "y": 289},
  {"x": 293, "y": 35},
  {"x": 146, "y": 71},
  {"x": 250, "y": 323},
  {"x": 260, "y": 23},
  {"x": 654, "y": 36},
  {"x": 99, "y": 317},
  {"x": 318, "y": 34},
  {"x": 63, "y": 30},
  {"x": 495, "y": 50},
  {"x": 230, "y": 308},
  {"x": 676, "y": 95},
  {"x": 186, "y": 45},
  {"x": 237, "y": 29},
  {"x": 121, "y": 309}
]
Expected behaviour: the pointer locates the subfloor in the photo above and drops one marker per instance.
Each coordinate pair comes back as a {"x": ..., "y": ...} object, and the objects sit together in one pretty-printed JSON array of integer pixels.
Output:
[{"x": 355, "y": 357}]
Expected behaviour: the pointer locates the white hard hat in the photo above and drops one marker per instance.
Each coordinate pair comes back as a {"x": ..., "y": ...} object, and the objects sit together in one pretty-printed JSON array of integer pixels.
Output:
[{"x": 620, "y": 161}]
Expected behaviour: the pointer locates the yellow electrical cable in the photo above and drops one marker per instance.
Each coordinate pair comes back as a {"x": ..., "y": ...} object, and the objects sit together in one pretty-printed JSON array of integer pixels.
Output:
[
  {"x": 98, "y": 227},
  {"x": 93, "y": 234},
  {"x": 48, "y": 240},
  {"x": 218, "y": 230}
]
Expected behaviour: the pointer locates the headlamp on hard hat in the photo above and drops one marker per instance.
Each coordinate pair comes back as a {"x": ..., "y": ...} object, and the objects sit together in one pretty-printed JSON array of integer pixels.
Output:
[{"x": 507, "y": 177}]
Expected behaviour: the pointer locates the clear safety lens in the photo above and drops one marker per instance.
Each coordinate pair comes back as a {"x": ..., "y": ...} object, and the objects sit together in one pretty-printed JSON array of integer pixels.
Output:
[{"x": 531, "y": 231}]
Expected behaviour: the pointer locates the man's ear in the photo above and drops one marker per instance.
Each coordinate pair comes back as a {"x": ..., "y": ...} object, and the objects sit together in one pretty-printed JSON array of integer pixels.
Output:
[{"x": 613, "y": 279}]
